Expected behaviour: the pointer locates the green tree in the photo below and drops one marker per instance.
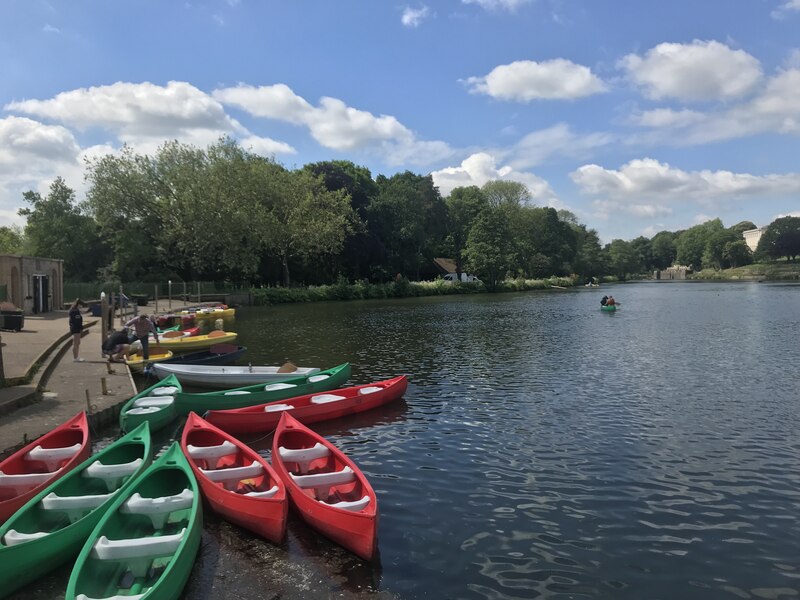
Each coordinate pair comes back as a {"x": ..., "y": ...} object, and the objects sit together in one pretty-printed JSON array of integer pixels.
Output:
[
  {"x": 714, "y": 253},
  {"x": 623, "y": 259},
  {"x": 663, "y": 249},
  {"x": 782, "y": 238},
  {"x": 489, "y": 247},
  {"x": 589, "y": 260},
  {"x": 691, "y": 244},
  {"x": 56, "y": 228},
  {"x": 11, "y": 240},
  {"x": 464, "y": 204},
  {"x": 737, "y": 253},
  {"x": 503, "y": 193},
  {"x": 544, "y": 244}
]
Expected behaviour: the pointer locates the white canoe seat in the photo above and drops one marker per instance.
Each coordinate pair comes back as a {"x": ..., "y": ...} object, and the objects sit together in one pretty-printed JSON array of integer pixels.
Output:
[
  {"x": 352, "y": 505},
  {"x": 53, "y": 457},
  {"x": 370, "y": 389},
  {"x": 158, "y": 509},
  {"x": 325, "y": 398},
  {"x": 265, "y": 494},
  {"x": 277, "y": 407},
  {"x": 274, "y": 387},
  {"x": 167, "y": 390},
  {"x": 76, "y": 507},
  {"x": 114, "y": 597},
  {"x": 112, "y": 474},
  {"x": 316, "y": 378},
  {"x": 157, "y": 401},
  {"x": 138, "y": 553},
  {"x": 212, "y": 454},
  {"x": 303, "y": 457},
  {"x": 24, "y": 481},
  {"x": 147, "y": 410},
  {"x": 14, "y": 537},
  {"x": 233, "y": 475},
  {"x": 236, "y": 393},
  {"x": 321, "y": 483}
]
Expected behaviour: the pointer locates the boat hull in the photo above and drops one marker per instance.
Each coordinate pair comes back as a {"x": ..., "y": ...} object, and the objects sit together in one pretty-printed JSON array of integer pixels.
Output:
[
  {"x": 354, "y": 530},
  {"x": 74, "y": 431},
  {"x": 260, "y": 419},
  {"x": 249, "y": 395},
  {"x": 227, "y": 354},
  {"x": 131, "y": 416},
  {"x": 25, "y": 562},
  {"x": 264, "y": 516},
  {"x": 195, "y": 342},
  {"x": 216, "y": 376},
  {"x": 611, "y": 308},
  {"x": 137, "y": 363}
]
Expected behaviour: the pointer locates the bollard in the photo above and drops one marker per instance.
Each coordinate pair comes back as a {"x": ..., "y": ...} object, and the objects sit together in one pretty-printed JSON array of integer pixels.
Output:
[
  {"x": 88, "y": 403},
  {"x": 103, "y": 386}
]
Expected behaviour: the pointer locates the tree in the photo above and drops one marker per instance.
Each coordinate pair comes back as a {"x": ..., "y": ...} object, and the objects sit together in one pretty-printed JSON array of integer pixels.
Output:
[
  {"x": 464, "y": 204},
  {"x": 737, "y": 253},
  {"x": 644, "y": 248},
  {"x": 714, "y": 253},
  {"x": 489, "y": 246},
  {"x": 691, "y": 244},
  {"x": 782, "y": 238},
  {"x": 623, "y": 259},
  {"x": 663, "y": 249},
  {"x": 11, "y": 240},
  {"x": 589, "y": 261},
  {"x": 544, "y": 244},
  {"x": 56, "y": 228},
  {"x": 500, "y": 192}
]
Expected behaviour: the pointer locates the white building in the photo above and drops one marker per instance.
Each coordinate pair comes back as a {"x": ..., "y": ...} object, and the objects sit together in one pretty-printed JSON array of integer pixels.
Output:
[{"x": 751, "y": 237}]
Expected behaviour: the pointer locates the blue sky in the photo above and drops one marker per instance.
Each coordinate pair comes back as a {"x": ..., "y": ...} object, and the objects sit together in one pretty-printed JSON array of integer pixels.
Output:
[{"x": 638, "y": 116}]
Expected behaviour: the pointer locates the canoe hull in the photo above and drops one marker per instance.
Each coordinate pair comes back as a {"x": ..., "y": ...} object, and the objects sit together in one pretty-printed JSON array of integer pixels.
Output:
[
  {"x": 195, "y": 342},
  {"x": 223, "y": 400},
  {"x": 75, "y": 430},
  {"x": 611, "y": 308},
  {"x": 256, "y": 419},
  {"x": 357, "y": 531},
  {"x": 158, "y": 419},
  {"x": 206, "y": 357},
  {"x": 264, "y": 516},
  {"x": 224, "y": 377}
]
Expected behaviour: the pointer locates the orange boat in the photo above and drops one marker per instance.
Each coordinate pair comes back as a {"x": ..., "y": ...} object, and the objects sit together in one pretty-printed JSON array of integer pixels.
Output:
[
  {"x": 237, "y": 482},
  {"x": 328, "y": 490},
  {"x": 29, "y": 470}
]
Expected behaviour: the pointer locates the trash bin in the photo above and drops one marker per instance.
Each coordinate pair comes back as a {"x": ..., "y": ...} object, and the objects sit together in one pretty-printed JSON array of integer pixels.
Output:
[
  {"x": 140, "y": 299},
  {"x": 95, "y": 310},
  {"x": 12, "y": 319}
]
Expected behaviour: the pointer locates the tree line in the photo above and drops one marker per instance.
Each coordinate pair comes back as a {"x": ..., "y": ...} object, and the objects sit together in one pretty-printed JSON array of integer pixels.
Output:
[{"x": 224, "y": 213}]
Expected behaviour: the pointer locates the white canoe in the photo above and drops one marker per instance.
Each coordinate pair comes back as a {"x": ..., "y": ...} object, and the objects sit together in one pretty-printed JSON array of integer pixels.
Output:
[{"x": 227, "y": 376}]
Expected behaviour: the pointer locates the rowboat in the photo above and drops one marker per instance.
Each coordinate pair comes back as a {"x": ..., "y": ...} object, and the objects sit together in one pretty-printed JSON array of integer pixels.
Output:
[
  {"x": 194, "y": 342},
  {"x": 51, "y": 528},
  {"x": 136, "y": 362},
  {"x": 310, "y": 408},
  {"x": 145, "y": 544},
  {"x": 328, "y": 490},
  {"x": 228, "y": 376},
  {"x": 261, "y": 393},
  {"x": 236, "y": 481},
  {"x": 155, "y": 405},
  {"x": 32, "y": 468},
  {"x": 218, "y": 354}
]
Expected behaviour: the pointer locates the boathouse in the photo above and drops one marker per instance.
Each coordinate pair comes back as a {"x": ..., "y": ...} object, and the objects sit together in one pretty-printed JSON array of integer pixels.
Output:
[{"x": 34, "y": 284}]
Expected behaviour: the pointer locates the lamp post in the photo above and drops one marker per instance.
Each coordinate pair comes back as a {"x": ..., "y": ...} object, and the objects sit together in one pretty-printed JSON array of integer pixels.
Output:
[{"x": 169, "y": 294}]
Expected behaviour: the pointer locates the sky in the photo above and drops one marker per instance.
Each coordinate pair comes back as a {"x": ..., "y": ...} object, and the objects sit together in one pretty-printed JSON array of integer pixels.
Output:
[{"x": 638, "y": 116}]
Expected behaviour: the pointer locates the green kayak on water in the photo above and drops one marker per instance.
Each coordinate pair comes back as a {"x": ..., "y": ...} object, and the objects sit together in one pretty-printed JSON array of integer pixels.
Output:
[
  {"x": 607, "y": 308},
  {"x": 146, "y": 543},
  {"x": 155, "y": 405},
  {"x": 53, "y": 526},
  {"x": 262, "y": 393}
]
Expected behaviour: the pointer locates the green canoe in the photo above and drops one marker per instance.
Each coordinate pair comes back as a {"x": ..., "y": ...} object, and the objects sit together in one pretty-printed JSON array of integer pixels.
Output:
[
  {"x": 145, "y": 544},
  {"x": 155, "y": 405},
  {"x": 51, "y": 528},
  {"x": 263, "y": 392},
  {"x": 611, "y": 308}
]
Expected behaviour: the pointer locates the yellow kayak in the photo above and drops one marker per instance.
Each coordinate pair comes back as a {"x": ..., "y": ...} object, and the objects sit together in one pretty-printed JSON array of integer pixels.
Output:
[
  {"x": 210, "y": 313},
  {"x": 135, "y": 362},
  {"x": 195, "y": 342}
]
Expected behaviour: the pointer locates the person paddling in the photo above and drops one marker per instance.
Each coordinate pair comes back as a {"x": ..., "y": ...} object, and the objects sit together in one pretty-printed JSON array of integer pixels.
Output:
[
  {"x": 611, "y": 301},
  {"x": 603, "y": 300}
]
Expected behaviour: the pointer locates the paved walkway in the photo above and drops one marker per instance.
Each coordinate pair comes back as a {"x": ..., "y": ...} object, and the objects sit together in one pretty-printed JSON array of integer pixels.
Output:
[{"x": 58, "y": 386}]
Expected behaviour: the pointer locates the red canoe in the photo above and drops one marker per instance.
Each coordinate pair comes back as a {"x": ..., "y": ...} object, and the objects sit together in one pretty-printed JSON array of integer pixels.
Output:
[
  {"x": 329, "y": 491},
  {"x": 237, "y": 482},
  {"x": 29, "y": 470},
  {"x": 311, "y": 408}
]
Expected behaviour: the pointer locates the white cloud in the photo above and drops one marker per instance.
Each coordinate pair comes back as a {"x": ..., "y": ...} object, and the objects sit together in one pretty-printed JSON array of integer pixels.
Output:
[
  {"x": 50, "y": 29},
  {"x": 559, "y": 140},
  {"x": 667, "y": 118},
  {"x": 144, "y": 115},
  {"x": 509, "y": 5},
  {"x": 335, "y": 125},
  {"x": 700, "y": 71},
  {"x": 413, "y": 17},
  {"x": 481, "y": 167},
  {"x": 649, "y": 181},
  {"x": 785, "y": 9},
  {"x": 527, "y": 80}
]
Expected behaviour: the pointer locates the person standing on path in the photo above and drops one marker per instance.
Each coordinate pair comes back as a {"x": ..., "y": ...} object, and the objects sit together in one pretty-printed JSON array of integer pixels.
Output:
[
  {"x": 76, "y": 328},
  {"x": 142, "y": 327}
]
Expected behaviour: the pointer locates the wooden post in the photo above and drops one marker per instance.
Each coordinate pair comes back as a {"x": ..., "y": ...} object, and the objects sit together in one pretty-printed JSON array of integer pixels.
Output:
[
  {"x": 104, "y": 315},
  {"x": 88, "y": 403},
  {"x": 155, "y": 295},
  {"x": 121, "y": 308},
  {"x": 198, "y": 292},
  {"x": 2, "y": 371},
  {"x": 103, "y": 386}
]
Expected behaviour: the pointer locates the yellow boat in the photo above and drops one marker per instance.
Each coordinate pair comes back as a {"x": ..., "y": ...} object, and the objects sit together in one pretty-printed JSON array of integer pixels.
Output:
[
  {"x": 210, "y": 313},
  {"x": 136, "y": 363},
  {"x": 195, "y": 342}
]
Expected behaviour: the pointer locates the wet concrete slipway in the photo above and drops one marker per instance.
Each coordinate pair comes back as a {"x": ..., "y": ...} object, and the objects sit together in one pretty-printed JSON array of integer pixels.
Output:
[{"x": 45, "y": 387}]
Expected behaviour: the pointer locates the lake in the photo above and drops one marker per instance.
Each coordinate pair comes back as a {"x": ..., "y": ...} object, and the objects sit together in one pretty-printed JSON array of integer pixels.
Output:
[{"x": 546, "y": 449}]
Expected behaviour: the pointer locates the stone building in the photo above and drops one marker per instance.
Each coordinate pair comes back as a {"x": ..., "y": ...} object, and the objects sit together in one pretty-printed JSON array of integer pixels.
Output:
[
  {"x": 752, "y": 236},
  {"x": 34, "y": 284}
]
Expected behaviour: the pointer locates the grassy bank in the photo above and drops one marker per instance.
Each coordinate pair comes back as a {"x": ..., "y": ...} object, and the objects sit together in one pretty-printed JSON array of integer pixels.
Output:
[
  {"x": 773, "y": 271},
  {"x": 402, "y": 288}
]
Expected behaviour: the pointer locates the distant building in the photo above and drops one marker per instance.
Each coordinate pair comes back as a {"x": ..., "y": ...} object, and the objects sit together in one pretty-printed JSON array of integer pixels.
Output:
[
  {"x": 675, "y": 273},
  {"x": 751, "y": 237},
  {"x": 35, "y": 285}
]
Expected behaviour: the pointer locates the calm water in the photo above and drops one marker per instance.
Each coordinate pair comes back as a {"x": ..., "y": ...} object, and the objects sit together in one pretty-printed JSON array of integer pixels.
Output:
[{"x": 548, "y": 450}]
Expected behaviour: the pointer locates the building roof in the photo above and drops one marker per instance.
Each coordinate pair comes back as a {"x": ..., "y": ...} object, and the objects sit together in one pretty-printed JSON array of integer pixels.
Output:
[{"x": 447, "y": 265}]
